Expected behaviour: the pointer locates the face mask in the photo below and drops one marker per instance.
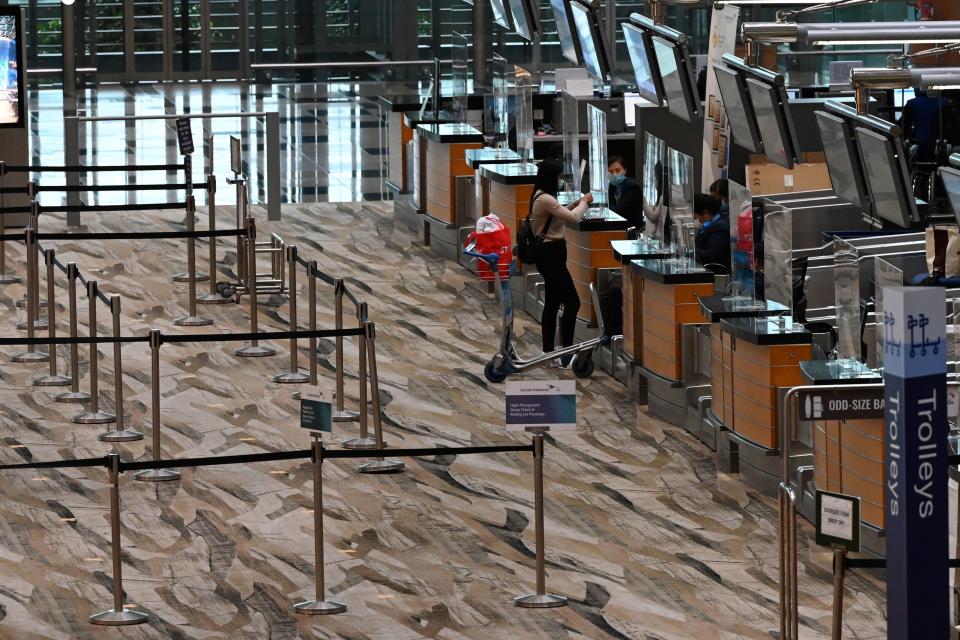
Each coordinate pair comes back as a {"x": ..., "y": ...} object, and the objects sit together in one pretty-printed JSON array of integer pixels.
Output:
[{"x": 617, "y": 180}]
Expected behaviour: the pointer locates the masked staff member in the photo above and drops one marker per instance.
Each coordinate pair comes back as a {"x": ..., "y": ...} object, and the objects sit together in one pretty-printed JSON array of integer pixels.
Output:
[
  {"x": 713, "y": 234},
  {"x": 626, "y": 199}
]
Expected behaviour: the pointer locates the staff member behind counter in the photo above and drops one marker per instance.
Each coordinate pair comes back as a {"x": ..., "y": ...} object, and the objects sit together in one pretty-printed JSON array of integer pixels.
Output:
[
  {"x": 713, "y": 235},
  {"x": 626, "y": 199}
]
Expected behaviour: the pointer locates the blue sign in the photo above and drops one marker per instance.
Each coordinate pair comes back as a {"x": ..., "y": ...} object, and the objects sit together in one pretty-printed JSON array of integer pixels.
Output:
[
  {"x": 316, "y": 415},
  {"x": 543, "y": 404},
  {"x": 915, "y": 405}
]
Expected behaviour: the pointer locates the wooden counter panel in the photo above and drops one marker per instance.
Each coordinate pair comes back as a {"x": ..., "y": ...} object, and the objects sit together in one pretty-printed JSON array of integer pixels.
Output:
[
  {"x": 510, "y": 203},
  {"x": 868, "y": 489},
  {"x": 661, "y": 348},
  {"x": 775, "y": 355},
  {"x": 873, "y": 514},
  {"x": 756, "y": 433},
  {"x": 666, "y": 367},
  {"x": 674, "y": 294},
  {"x": 457, "y": 155},
  {"x": 849, "y": 455},
  {"x": 632, "y": 316},
  {"x": 856, "y": 442},
  {"x": 776, "y": 376},
  {"x": 757, "y": 407},
  {"x": 659, "y": 326}
]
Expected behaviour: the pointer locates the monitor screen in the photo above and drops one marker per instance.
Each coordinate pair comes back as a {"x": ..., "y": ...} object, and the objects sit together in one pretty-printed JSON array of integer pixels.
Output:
[
  {"x": 501, "y": 15},
  {"x": 843, "y": 162},
  {"x": 887, "y": 178},
  {"x": 743, "y": 123},
  {"x": 525, "y": 18},
  {"x": 12, "y": 96},
  {"x": 951, "y": 183},
  {"x": 589, "y": 47},
  {"x": 639, "y": 56},
  {"x": 675, "y": 77},
  {"x": 564, "y": 31},
  {"x": 772, "y": 123}
]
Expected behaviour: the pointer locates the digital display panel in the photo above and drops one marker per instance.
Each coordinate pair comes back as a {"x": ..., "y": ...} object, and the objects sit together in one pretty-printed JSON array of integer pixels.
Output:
[
  {"x": 589, "y": 46},
  {"x": 843, "y": 162},
  {"x": 675, "y": 77},
  {"x": 501, "y": 15},
  {"x": 640, "y": 57},
  {"x": 525, "y": 18},
  {"x": 775, "y": 136},
  {"x": 12, "y": 96},
  {"x": 887, "y": 178},
  {"x": 564, "y": 31},
  {"x": 743, "y": 123}
]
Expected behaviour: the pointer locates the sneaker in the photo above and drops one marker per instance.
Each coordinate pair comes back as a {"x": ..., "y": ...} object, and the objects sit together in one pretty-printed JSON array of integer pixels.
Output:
[{"x": 566, "y": 361}]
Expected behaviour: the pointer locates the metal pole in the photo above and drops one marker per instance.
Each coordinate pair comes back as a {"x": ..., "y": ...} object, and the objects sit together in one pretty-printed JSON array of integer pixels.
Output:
[
  {"x": 121, "y": 433},
  {"x": 213, "y": 296},
  {"x": 71, "y": 152},
  {"x": 32, "y": 258},
  {"x": 156, "y": 475},
  {"x": 340, "y": 414},
  {"x": 379, "y": 465},
  {"x": 541, "y": 599},
  {"x": 118, "y": 616},
  {"x": 312, "y": 303},
  {"x": 319, "y": 606},
  {"x": 52, "y": 379},
  {"x": 839, "y": 574},
  {"x": 69, "y": 59},
  {"x": 364, "y": 441},
  {"x": 273, "y": 165},
  {"x": 294, "y": 376},
  {"x": 192, "y": 319},
  {"x": 254, "y": 350},
  {"x": 436, "y": 88},
  {"x": 5, "y": 278},
  {"x": 191, "y": 223},
  {"x": 74, "y": 395},
  {"x": 31, "y": 355},
  {"x": 94, "y": 415}
]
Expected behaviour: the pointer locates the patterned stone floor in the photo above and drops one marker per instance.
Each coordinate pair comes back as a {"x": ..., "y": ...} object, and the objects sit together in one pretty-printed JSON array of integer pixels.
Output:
[{"x": 643, "y": 534}]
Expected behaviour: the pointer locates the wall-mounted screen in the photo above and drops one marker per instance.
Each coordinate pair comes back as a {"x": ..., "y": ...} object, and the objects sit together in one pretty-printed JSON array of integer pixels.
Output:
[
  {"x": 639, "y": 47},
  {"x": 591, "y": 40},
  {"x": 526, "y": 18},
  {"x": 678, "y": 87},
  {"x": 563, "y": 19},
  {"x": 774, "y": 123},
  {"x": 843, "y": 161},
  {"x": 12, "y": 97},
  {"x": 887, "y": 177},
  {"x": 501, "y": 14},
  {"x": 743, "y": 123}
]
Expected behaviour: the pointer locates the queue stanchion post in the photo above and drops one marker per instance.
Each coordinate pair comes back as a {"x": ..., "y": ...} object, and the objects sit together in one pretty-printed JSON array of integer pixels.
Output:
[
  {"x": 254, "y": 350},
  {"x": 541, "y": 599},
  {"x": 839, "y": 575},
  {"x": 380, "y": 465},
  {"x": 94, "y": 415},
  {"x": 155, "y": 475},
  {"x": 340, "y": 413},
  {"x": 74, "y": 395},
  {"x": 187, "y": 276},
  {"x": 5, "y": 276},
  {"x": 121, "y": 433},
  {"x": 320, "y": 605},
  {"x": 213, "y": 296},
  {"x": 31, "y": 355},
  {"x": 294, "y": 376},
  {"x": 119, "y": 615},
  {"x": 32, "y": 258},
  {"x": 311, "y": 324},
  {"x": 364, "y": 441},
  {"x": 192, "y": 319},
  {"x": 53, "y": 378}
]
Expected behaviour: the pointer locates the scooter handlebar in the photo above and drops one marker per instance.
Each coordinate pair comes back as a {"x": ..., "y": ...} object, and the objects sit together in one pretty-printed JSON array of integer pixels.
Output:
[{"x": 491, "y": 259}]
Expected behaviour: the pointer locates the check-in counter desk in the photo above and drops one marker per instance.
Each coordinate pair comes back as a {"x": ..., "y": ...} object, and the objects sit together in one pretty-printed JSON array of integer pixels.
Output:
[
  {"x": 755, "y": 361},
  {"x": 847, "y": 456},
  {"x": 411, "y": 189},
  {"x": 443, "y": 149},
  {"x": 625, "y": 252},
  {"x": 588, "y": 255},
  {"x": 399, "y": 135},
  {"x": 476, "y": 158}
]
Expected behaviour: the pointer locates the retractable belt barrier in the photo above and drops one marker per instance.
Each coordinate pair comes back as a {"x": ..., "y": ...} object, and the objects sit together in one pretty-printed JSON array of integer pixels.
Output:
[{"x": 36, "y": 168}]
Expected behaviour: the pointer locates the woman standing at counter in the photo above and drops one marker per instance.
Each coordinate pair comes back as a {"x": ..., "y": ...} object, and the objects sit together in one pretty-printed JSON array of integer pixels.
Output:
[{"x": 549, "y": 219}]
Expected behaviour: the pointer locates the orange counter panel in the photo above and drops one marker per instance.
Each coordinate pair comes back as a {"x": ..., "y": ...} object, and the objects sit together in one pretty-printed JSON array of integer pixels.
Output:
[
  {"x": 848, "y": 458},
  {"x": 632, "y": 315},
  {"x": 445, "y": 163},
  {"x": 665, "y": 308}
]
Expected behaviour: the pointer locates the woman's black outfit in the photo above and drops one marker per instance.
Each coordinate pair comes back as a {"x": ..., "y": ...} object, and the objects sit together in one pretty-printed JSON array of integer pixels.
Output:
[{"x": 558, "y": 290}]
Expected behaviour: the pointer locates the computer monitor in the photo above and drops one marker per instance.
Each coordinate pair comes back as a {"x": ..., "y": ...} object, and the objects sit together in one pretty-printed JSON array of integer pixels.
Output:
[
  {"x": 592, "y": 39},
  {"x": 951, "y": 183},
  {"x": 12, "y": 96},
  {"x": 640, "y": 48},
  {"x": 887, "y": 176},
  {"x": 774, "y": 123},
  {"x": 501, "y": 14},
  {"x": 843, "y": 159},
  {"x": 736, "y": 102},
  {"x": 679, "y": 87},
  {"x": 564, "y": 20},
  {"x": 526, "y": 18}
]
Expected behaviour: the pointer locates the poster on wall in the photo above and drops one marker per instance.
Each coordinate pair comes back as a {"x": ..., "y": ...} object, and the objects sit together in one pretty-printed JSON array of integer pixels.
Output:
[
  {"x": 11, "y": 68},
  {"x": 723, "y": 39}
]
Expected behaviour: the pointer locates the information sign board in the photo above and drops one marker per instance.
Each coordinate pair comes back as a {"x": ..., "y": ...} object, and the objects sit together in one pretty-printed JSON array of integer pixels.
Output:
[
  {"x": 316, "y": 415},
  {"x": 541, "y": 404},
  {"x": 852, "y": 403},
  {"x": 838, "y": 520},
  {"x": 184, "y": 136}
]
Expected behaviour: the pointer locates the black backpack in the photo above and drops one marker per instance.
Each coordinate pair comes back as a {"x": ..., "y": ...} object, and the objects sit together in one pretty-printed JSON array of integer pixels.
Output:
[{"x": 528, "y": 242}]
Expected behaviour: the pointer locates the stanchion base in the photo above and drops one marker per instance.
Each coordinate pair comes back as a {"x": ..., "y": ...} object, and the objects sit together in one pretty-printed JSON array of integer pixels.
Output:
[
  {"x": 31, "y": 357},
  {"x": 157, "y": 475},
  {"x": 78, "y": 397},
  {"x": 319, "y": 608},
  {"x": 359, "y": 443},
  {"x": 99, "y": 417},
  {"x": 38, "y": 325},
  {"x": 185, "y": 277},
  {"x": 52, "y": 381},
  {"x": 254, "y": 352},
  {"x": 382, "y": 466},
  {"x": 291, "y": 378},
  {"x": 113, "y": 618},
  {"x": 22, "y": 303},
  {"x": 214, "y": 298},
  {"x": 536, "y": 601},
  {"x": 193, "y": 321},
  {"x": 9, "y": 278},
  {"x": 345, "y": 416},
  {"x": 127, "y": 435}
]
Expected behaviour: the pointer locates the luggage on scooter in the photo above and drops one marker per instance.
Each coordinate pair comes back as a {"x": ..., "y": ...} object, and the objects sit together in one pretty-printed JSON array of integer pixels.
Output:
[{"x": 492, "y": 236}]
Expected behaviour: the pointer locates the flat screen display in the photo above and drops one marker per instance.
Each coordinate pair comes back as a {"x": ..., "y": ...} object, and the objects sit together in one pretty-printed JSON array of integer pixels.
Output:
[
  {"x": 887, "y": 178},
  {"x": 564, "y": 30},
  {"x": 775, "y": 136},
  {"x": 675, "y": 78},
  {"x": 11, "y": 74},
  {"x": 589, "y": 47},
  {"x": 743, "y": 124},
  {"x": 639, "y": 56},
  {"x": 524, "y": 18},
  {"x": 501, "y": 15},
  {"x": 951, "y": 182},
  {"x": 843, "y": 162}
]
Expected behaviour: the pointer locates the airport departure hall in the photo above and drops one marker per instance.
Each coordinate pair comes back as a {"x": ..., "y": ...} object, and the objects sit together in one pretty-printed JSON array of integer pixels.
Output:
[{"x": 480, "y": 319}]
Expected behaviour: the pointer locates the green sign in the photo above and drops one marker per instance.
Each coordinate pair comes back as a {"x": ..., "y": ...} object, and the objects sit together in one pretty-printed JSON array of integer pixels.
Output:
[
  {"x": 316, "y": 415},
  {"x": 838, "y": 520}
]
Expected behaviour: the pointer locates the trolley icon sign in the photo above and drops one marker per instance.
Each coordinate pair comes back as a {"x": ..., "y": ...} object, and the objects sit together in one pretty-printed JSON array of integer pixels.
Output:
[{"x": 918, "y": 343}]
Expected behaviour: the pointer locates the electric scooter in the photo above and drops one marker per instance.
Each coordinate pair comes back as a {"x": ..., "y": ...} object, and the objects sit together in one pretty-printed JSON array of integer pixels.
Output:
[{"x": 508, "y": 362}]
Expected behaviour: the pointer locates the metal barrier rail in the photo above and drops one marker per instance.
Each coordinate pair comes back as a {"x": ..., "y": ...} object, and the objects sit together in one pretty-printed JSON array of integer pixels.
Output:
[{"x": 82, "y": 168}]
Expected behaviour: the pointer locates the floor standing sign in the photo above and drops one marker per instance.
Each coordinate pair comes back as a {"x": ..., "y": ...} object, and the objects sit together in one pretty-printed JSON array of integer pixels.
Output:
[{"x": 916, "y": 463}]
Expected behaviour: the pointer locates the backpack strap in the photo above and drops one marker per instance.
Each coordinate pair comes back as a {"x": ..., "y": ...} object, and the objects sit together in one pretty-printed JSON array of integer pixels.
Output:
[{"x": 546, "y": 226}]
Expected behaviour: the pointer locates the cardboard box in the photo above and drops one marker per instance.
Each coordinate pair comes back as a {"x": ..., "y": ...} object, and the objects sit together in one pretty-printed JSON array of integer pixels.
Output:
[{"x": 764, "y": 177}]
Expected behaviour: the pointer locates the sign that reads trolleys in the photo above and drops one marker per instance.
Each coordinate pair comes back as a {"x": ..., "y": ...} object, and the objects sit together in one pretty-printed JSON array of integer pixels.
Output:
[
  {"x": 915, "y": 406},
  {"x": 550, "y": 405}
]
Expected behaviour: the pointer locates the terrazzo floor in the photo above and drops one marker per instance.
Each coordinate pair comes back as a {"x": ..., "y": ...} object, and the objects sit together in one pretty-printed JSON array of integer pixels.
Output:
[{"x": 643, "y": 534}]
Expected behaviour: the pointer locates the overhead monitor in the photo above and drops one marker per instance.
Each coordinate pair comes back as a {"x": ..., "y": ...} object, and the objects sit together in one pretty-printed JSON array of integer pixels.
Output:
[
  {"x": 887, "y": 176},
  {"x": 12, "y": 96},
  {"x": 640, "y": 48},
  {"x": 592, "y": 39},
  {"x": 736, "y": 102},
  {"x": 501, "y": 13},
  {"x": 679, "y": 87},
  {"x": 526, "y": 18},
  {"x": 774, "y": 123},
  {"x": 843, "y": 159},
  {"x": 564, "y": 20},
  {"x": 951, "y": 183}
]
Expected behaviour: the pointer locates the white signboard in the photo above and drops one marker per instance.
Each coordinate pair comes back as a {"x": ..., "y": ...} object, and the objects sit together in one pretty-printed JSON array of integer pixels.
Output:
[
  {"x": 838, "y": 520},
  {"x": 541, "y": 404}
]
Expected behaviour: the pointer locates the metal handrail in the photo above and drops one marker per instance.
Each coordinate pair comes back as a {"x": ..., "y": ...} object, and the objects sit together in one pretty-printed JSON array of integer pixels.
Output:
[{"x": 340, "y": 65}]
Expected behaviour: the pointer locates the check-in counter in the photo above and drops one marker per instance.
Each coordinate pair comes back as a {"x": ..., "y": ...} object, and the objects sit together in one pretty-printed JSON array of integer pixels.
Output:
[
  {"x": 625, "y": 252},
  {"x": 408, "y": 203},
  {"x": 588, "y": 251},
  {"x": 476, "y": 158},
  {"x": 399, "y": 135},
  {"x": 510, "y": 191}
]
